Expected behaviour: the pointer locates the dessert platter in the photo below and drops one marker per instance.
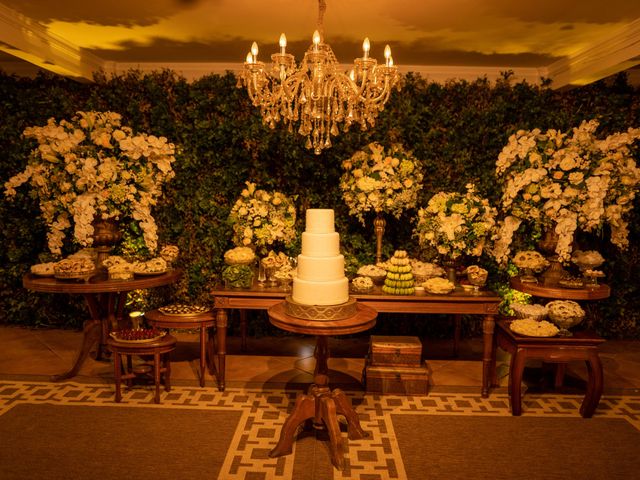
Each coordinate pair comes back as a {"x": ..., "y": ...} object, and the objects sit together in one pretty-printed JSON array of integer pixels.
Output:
[
  {"x": 155, "y": 266},
  {"x": 44, "y": 269},
  {"x": 74, "y": 268},
  {"x": 138, "y": 335},
  {"x": 183, "y": 310},
  {"x": 530, "y": 327},
  {"x": 438, "y": 286}
]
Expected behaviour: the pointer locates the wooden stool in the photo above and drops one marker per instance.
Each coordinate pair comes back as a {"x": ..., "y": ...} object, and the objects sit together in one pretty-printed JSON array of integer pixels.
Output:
[
  {"x": 558, "y": 350},
  {"x": 160, "y": 349},
  {"x": 202, "y": 321}
]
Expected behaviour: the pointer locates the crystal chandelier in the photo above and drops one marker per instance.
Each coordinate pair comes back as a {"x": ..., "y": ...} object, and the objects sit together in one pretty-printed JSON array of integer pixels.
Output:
[{"x": 317, "y": 96}]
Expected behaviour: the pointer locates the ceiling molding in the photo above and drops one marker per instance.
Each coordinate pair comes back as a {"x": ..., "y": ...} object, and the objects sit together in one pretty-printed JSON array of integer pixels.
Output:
[
  {"x": 27, "y": 39},
  {"x": 605, "y": 57}
]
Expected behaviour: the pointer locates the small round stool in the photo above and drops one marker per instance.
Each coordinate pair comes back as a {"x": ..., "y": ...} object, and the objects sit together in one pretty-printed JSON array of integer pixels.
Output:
[
  {"x": 160, "y": 349},
  {"x": 202, "y": 321}
]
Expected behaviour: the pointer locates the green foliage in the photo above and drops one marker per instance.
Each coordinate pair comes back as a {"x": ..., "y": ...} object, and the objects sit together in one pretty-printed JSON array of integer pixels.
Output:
[{"x": 456, "y": 130}]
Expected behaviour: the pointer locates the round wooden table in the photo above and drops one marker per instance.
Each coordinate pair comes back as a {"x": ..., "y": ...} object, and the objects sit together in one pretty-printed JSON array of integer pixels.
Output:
[
  {"x": 321, "y": 404},
  {"x": 105, "y": 299},
  {"x": 600, "y": 292}
]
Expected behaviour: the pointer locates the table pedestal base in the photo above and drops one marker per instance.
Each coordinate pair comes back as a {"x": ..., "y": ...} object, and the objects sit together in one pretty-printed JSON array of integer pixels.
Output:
[{"x": 323, "y": 406}]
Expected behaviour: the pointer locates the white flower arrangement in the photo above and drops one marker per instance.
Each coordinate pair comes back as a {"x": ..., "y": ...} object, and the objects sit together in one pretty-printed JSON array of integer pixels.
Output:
[
  {"x": 565, "y": 182},
  {"x": 260, "y": 218},
  {"x": 456, "y": 224},
  {"x": 93, "y": 166},
  {"x": 381, "y": 180}
]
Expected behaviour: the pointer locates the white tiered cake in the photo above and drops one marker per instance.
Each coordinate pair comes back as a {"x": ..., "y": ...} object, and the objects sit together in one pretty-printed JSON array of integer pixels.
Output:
[{"x": 320, "y": 279}]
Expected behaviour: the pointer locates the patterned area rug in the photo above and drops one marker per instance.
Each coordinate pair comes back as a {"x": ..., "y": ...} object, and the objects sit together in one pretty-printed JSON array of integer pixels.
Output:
[{"x": 227, "y": 435}]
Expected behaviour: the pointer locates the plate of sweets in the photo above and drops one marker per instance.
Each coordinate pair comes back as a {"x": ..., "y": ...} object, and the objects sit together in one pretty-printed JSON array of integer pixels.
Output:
[
  {"x": 74, "y": 268},
  {"x": 530, "y": 327},
  {"x": 44, "y": 269},
  {"x": 138, "y": 335},
  {"x": 183, "y": 309},
  {"x": 155, "y": 266}
]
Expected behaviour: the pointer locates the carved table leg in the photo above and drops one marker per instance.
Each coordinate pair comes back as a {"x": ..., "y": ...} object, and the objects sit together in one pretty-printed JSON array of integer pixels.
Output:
[
  {"x": 344, "y": 408},
  {"x": 488, "y": 325},
  {"x": 221, "y": 336},
  {"x": 304, "y": 409},
  {"x": 91, "y": 333},
  {"x": 330, "y": 419},
  {"x": 594, "y": 385},
  {"x": 243, "y": 330},
  {"x": 203, "y": 353},
  {"x": 518, "y": 360}
]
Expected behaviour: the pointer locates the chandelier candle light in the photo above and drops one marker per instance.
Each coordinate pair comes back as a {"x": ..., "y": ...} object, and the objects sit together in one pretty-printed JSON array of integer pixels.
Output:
[{"x": 317, "y": 95}]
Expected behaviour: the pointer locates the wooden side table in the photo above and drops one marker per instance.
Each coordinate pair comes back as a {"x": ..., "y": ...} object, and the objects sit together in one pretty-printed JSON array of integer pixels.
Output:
[
  {"x": 321, "y": 404},
  {"x": 160, "y": 349},
  {"x": 202, "y": 321},
  {"x": 581, "y": 346}
]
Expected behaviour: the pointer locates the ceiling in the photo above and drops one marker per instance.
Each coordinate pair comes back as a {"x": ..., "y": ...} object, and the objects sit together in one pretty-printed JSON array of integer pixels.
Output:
[{"x": 572, "y": 42}]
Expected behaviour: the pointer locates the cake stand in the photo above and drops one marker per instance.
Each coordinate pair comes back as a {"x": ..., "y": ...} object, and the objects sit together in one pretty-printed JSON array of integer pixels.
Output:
[{"x": 321, "y": 404}]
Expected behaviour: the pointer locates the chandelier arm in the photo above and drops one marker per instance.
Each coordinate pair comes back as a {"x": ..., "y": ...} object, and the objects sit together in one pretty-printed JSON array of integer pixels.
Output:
[{"x": 382, "y": 97}]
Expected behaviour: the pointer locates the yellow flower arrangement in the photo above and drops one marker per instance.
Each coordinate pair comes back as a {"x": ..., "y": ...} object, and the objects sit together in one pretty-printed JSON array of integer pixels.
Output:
[
  {"x": 260, "y": 218},
  {"x": 379, "y": 179},
  {"x": 456, "y": 224},
  {"x": 94, "y": 167}
]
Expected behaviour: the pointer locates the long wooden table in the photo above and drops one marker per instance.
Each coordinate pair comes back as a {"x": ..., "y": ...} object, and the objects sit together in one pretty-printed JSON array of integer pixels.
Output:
[{"x": 459, "y": 302}]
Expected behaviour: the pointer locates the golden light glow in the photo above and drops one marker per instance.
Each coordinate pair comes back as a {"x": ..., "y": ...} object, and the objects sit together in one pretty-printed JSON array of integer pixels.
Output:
[{"x": 418, "y": 29}]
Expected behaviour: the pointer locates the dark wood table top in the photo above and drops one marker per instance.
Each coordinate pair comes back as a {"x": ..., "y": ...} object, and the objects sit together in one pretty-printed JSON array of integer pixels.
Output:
[
  {"x": 600, "y": 292},
  {"x": 364, "y": 319},
  {"x": 99, "y": 283},
  {"x": 458, "y": 302},
  {"x": 578, "y": 337}
]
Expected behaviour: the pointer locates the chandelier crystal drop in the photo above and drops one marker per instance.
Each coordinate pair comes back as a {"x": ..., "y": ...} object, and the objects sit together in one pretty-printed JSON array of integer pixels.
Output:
[{"x": 317, "y": 97}]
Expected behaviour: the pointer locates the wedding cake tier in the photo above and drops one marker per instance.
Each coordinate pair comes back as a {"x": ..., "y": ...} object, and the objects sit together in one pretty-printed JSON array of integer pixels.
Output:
[{"x": 320, "y": 278}]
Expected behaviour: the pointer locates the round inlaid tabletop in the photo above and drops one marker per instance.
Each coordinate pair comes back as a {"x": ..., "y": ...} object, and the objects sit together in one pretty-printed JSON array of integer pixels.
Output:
[
  {"x": 599, "y": 291},
  {"x": 363, "y": 319}
]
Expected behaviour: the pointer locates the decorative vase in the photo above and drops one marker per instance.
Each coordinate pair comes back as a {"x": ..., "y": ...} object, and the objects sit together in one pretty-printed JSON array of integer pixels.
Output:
[
  {"x": 450, "y": 267},
  {"x": 106, "y": 234},
  {"x": 378, "y": 227},
  {"x": 547, "y": 245}
]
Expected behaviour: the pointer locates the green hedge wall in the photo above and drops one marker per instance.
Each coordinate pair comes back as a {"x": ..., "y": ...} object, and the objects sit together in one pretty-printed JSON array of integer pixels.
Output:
[{"x": 456, "y": 129}]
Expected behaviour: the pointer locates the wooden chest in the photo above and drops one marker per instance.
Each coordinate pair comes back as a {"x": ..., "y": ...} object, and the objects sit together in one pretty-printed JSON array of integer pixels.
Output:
[
  {"x": 397, "y": 351},
  {"x": 396, "y": 380}
]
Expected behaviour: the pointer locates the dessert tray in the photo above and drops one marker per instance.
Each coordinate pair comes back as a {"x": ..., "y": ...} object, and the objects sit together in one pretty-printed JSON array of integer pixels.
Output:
[
  {"x": 183, "y": 310},
  {"x": 530, "y": 327},
  {"x": 138, "y": 335},
  {"x": 44, "y": 269},
  {"x": 438, "y": 286},
  {"x": 74, "y": 268},
  {"x": 155, "y": 266}
]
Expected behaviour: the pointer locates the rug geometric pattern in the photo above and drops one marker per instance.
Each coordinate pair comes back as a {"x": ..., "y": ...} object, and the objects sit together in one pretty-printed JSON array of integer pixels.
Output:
[{"x": 376, "y": 457}]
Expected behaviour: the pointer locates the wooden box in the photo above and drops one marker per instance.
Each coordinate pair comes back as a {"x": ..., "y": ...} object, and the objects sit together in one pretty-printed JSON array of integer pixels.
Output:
[
  {"x": 395, "y": 351},
  {"x": 396, "y": 380}
]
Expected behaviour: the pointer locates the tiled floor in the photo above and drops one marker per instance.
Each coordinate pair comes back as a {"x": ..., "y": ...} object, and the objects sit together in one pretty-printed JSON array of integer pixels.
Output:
[{"x": 288, "y": 361}]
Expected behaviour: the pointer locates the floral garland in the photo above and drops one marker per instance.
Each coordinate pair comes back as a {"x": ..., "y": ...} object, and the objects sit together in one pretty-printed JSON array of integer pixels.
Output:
[
  {"x": 566, "y": 181},
  {"x": 456, "y": 224},
  {"x": 90, "y": 167},
  {"x": 380, "y": 180},
  {"x": 260, "y": 218}
]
